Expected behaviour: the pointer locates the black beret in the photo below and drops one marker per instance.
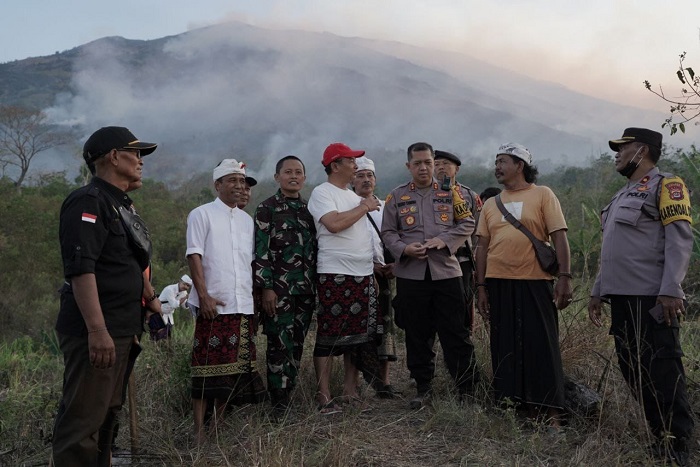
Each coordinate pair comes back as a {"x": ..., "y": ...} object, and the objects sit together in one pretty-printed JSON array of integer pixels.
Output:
[{"x": 447, "y": 155}]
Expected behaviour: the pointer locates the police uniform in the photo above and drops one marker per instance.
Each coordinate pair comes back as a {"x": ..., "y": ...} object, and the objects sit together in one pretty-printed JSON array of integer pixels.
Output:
[
  {"x": 647, "y": 243},
  {"x": 471, "y": 202},
  {"x": 430, "y": 293},
  {"x": 94, "y": 241},
  {"x": 466, "y": 258}
]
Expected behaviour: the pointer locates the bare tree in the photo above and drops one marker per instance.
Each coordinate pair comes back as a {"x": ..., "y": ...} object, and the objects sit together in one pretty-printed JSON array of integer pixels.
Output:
[
  {"x": 24, "y": 133},
  {"x": 685, "y": 107}
]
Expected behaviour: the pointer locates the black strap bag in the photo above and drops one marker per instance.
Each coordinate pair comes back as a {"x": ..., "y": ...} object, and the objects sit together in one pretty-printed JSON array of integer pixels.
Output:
[
  {"x": 546, "y": 255},
  {"x": 388, "y": 257}
]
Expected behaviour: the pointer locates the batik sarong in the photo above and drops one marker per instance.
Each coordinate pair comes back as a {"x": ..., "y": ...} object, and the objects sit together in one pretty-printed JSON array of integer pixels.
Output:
[
  {"x": 224, "y": 360},
  {"x": 347, "y": 313}
]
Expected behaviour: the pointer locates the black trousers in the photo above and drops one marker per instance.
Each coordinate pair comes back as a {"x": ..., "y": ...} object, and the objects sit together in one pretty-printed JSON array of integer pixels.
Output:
[
  {"x": 427, "y": 307},
  {"x": 649, "y": 355},
  {"x": 91, "y": 401}
]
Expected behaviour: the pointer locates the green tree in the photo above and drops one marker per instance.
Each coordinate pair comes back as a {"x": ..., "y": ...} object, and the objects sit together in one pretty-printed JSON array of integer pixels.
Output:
[{"x": 685, "y": 107}]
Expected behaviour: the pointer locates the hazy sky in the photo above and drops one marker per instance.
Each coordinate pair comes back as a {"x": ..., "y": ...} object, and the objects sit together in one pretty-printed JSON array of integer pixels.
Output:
[{"x": 605, "y": 48}]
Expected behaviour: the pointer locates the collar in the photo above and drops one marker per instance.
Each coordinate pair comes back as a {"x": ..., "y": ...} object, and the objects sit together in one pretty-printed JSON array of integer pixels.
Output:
[
  {"x": 280, "y": 198},
  {"x": 223, "y": 206},
  {"x": 113, "y": 191},
  {"x": 645, "y": 179}
]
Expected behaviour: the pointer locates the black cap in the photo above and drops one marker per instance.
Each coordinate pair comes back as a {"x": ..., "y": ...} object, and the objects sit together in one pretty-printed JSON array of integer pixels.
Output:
[
  {"x": 639, "y": 135},
  {"x": 447, "y": 155},
  {"x": 251, "y": 181},
  {"x": 113, "y": 137}
]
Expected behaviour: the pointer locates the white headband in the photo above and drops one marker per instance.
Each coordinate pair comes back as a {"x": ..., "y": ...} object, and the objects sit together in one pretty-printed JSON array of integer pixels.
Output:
[
  {"x": 229, "y": 166},
  {"x": 517, "y": 150},
  {"x": 364, "y": 163}
]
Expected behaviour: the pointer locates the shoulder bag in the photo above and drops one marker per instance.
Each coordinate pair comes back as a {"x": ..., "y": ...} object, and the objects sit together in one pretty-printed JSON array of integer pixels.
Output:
[
  {"x": 388, "y": 257},
  {"x": 546, "y": 255}
]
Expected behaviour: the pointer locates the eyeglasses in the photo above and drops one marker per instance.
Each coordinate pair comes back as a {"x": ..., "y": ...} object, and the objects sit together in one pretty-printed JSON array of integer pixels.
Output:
[{"x": 136, "y": 152}]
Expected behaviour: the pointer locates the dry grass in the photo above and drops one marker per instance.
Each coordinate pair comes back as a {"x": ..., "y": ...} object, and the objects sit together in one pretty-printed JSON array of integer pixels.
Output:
[{"x": 445, "y": 433}]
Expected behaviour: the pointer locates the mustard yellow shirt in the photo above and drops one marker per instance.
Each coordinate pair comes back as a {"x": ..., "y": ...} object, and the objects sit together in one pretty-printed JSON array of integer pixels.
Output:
[{"x": 510, "y": 253}]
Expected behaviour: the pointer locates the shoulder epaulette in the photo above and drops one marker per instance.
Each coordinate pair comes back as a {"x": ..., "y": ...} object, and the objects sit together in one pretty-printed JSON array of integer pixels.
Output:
[{"x": 93, "y": 190}]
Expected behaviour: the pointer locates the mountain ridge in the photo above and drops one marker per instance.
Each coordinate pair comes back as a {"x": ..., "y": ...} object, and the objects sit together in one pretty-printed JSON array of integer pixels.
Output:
[{"x": 236, "y": 90}]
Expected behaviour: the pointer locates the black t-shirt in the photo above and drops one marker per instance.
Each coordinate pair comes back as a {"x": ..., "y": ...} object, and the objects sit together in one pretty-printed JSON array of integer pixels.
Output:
[{"x": 93, "y": 240}]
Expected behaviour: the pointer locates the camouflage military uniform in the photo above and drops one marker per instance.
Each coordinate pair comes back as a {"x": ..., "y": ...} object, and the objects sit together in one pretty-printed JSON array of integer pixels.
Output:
[{"x": 285, "y": 261}]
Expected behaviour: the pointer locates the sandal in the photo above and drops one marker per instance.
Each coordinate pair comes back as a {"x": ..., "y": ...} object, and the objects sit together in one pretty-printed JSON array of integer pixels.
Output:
[{"x": 329, "y": 408}]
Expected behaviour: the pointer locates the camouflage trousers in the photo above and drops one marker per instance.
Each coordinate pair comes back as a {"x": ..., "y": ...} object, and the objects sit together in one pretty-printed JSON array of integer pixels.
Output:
[{"x": 285, "y": 333}]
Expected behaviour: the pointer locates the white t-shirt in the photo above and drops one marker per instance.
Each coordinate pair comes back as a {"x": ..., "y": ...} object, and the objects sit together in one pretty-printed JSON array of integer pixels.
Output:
[
  {"x": 223, "y": 236},
  {"x": 347, "y": 252}
]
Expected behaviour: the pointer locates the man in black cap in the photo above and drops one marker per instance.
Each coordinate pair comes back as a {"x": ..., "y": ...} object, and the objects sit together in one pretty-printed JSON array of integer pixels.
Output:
[
  {"x": 647, "y": 243},
  {"x": 105, "y": 247},
  {"x": 446, "y": 167},
  {"x": 250, "y": 182}
]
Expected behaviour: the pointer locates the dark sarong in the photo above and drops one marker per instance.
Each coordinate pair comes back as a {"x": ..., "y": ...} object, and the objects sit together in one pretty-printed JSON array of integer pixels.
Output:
[
  {"x": 223, "y": 360},
  {"x": 525, "y": 351},
  {"x": 347, "y": 314}
]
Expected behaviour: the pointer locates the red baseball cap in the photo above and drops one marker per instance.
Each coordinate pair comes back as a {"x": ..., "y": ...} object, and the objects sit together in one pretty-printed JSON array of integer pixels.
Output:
[{"x": 336, "y": 151}]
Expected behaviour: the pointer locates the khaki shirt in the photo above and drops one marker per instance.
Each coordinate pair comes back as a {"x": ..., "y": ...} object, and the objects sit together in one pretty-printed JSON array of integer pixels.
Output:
[
  {"x": 410, "y": 216},
  {"x": 640, "y": 255}
]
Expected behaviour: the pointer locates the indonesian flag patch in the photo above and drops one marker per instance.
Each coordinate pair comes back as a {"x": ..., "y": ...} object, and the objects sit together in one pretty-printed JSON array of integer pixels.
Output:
[{"x": 87, "y": 217}]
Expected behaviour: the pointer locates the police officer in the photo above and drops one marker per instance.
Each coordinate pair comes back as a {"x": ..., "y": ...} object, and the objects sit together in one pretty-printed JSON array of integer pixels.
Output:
[
  {"x": 446, "y": 168},
  {"x": 647, "y": 242},
  {"x": 103, "y": 259},
  {"x": 422, "y": 231}
]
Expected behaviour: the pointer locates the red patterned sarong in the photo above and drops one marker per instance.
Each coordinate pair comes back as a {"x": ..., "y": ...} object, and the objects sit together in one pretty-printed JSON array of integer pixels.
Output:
[
  {"x": 223, "y": 360},
  {"x": 347, "y": 313}
]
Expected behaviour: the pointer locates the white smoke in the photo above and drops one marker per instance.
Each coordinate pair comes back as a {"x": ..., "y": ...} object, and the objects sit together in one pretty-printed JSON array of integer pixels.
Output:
[{"x": 234, "y": 90}]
